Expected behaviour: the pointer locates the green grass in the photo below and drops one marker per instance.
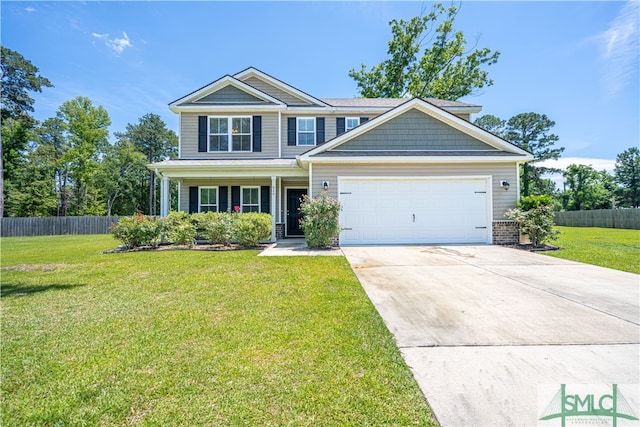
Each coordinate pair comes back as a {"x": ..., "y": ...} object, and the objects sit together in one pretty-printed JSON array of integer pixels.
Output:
[
  {"x": 607, "y": 247},
  {"x": 193, "y": 338}
]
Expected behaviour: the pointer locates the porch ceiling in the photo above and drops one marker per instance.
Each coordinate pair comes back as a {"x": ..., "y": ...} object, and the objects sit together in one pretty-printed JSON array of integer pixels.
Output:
[{"x": 229, "y": 168}]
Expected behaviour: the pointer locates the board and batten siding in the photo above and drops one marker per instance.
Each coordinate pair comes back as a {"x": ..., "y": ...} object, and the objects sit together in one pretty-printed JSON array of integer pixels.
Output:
[
  {"x": 275, "y": 92},
  {"x": 502, "y": 200},
  {"x": 414, "y": 130},
  {"x": 189, "y": 139}
]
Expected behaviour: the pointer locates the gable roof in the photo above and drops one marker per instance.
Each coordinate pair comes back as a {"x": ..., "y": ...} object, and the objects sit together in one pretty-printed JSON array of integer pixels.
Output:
[
  {"x": 394, "y": 102},
  {"x": 189, "y": 102},
  {"x": 325, "y": 150}
]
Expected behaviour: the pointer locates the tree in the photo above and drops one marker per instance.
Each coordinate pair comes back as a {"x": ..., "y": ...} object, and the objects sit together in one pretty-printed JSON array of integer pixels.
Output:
[
  {"x": 19, "y": 78},
  {"x": 152, "y": 138},
  {"x": 587, "y": 188},
  {"x": 86, "y": 132},
  {"x": 446, "y": 69},
  {"x": 627, "y": 175},
  {"x": 530, "y": 131}
]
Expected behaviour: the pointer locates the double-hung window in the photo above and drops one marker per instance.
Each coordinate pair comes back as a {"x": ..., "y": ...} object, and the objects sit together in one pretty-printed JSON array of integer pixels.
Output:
[
  {"x": 351, "y": 122},
  {"x": 306, "y": 131},
  {"x": 250, "y": 199},
  {"x": 208, "y": 199},
  {"x": 229, "y": 133}
]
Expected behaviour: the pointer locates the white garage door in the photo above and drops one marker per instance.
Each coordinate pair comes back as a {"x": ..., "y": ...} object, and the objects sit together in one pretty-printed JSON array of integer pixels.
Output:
[{"x": 416, "y": 210}]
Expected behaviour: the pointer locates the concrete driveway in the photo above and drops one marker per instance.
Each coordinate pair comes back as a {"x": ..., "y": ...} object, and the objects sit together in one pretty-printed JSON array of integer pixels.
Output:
[{"x": 487, "y": 330}]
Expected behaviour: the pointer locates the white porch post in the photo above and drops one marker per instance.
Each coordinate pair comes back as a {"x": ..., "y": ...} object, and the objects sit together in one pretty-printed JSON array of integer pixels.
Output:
[
  {"x": 273, "y": 208},
  {"x": 164, "y": 197}
]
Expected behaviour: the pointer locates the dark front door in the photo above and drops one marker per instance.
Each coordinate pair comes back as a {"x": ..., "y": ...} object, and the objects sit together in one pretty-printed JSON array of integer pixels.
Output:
[{"x": 293, "y": 211}]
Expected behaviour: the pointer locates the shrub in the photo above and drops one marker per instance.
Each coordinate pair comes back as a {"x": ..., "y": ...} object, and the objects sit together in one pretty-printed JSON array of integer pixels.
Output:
[
  {"x": 527, "y": 203},
  {"x": 251, "y": 228},
  {"x": 179, "y": 228},
  {"x": 218, "y": 228},
  {"x": 137, "y": 230},
  {"x": 537, "y": 223},
  {"x": 320, "y": 220}
]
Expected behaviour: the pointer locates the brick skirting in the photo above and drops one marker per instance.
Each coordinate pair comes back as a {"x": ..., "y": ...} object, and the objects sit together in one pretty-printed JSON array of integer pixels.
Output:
[{"x": 505, "y": 233}]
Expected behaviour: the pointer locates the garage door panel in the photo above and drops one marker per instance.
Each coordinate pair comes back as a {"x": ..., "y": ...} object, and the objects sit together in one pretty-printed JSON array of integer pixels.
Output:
[{"x": 414, "y": 211}]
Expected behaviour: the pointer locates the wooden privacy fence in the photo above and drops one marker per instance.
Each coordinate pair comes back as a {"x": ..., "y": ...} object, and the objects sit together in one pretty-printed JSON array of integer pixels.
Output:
[
  {"x": 48, "y": 226},
  {"x": 607, "y": 218}
]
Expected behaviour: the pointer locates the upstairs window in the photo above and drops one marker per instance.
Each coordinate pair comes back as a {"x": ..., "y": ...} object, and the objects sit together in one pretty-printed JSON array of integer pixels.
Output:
[
  {"x": 306, "y": 131},
  {"x": 351, "y": 122},
  {"x": 229, "y": 134}
]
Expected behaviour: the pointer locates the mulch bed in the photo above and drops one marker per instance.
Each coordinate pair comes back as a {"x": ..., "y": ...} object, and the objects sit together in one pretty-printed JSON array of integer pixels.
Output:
[
  {"x": 529, "y": 247},
  {"x": 198, "y": 247}
]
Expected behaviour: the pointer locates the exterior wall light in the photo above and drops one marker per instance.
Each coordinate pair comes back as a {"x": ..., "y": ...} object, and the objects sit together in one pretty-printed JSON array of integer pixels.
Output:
[
  {"x": 325, "y": 185},
  {"x": 505, "y": 185}
]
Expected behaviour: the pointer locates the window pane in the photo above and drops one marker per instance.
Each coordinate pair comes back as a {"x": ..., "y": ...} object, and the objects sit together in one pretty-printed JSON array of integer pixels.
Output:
[
  {"x": 306, "y": 125},
  {"x": 352, "y": 122},
  {"x": 218, "y": 143},
  {"x": 204, "y": 196},
  {"x": 305, "y": 139}
]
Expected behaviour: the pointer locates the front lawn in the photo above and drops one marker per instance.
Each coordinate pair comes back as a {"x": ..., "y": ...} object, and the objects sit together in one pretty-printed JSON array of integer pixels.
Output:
[
  {"x": 606, "y": 247},
  {"x": 193, "y": 338}
]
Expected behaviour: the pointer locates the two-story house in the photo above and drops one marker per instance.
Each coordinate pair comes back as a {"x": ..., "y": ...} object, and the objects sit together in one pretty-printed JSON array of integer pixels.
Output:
[{"x": 405, "y": 170}]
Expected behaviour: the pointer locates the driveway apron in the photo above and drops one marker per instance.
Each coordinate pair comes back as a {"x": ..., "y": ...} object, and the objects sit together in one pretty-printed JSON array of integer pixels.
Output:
[{"x": 487, "y": 330}]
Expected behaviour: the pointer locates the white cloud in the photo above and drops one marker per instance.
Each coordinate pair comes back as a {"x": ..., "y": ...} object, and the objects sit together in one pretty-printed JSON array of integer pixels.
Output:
[
  {"x": 620, "y": 46},
  {"x": 118, "y": 45},
  {"x": 30, "y": 9}
]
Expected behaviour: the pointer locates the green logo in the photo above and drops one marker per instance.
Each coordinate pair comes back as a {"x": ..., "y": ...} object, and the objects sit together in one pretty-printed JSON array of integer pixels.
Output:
[{"x": 589, "y": 406}]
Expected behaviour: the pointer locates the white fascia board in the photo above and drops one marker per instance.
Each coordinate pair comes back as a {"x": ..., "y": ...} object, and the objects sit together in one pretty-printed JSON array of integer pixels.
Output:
[
  {"x": 236, "y": 108},
  {"x": 414, "y": 159},
  {"x": 279, "y": 84},
  {"x": 235, "y": 173},
  {"x": 221, "y": 83}
]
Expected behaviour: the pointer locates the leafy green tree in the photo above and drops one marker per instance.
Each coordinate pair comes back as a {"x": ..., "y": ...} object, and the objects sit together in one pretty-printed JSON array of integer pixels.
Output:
[
  {"x": 446, "y": 69},
  {"x": 86, "y": 132},
  {"x": 19, "y": 78},
  {"x": 627, "y": 175},
  {"x": 587, "y": 188},
  {"x": 530, "y": 131},
  {"x": 152, "y": 138}
]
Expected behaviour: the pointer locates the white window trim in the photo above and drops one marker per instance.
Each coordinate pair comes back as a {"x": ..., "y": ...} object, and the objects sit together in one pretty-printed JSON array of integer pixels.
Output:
[
  {"x": 298, "y": 131},
  {"x": 346, "y": 121},
  {"x": 230, "y": 134},
  {"x": 242, "y": 204},
  {"x": 217, "y": 205}
]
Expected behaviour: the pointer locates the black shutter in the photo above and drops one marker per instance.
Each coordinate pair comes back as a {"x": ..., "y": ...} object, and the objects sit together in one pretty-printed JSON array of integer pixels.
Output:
[
  {"x": 264, "y": 199},
  {"x": 202, "y": 134},
  {"x": 339, "y": 125},
  {"x": 363, "y": 119},
  {"x": 223, "y": 199},
  {"x": 235, "y": 197},
  {"x": 257, "y": 134},
  {"x": 319, "y": 130},
  {"x": 193, "y": 200},
  {"x": 291, "y": 131}
]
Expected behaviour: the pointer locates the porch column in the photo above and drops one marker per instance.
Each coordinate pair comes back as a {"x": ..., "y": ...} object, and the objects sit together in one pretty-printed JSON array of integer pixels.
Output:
[
  {"x": 273, "y": 208},
  {"x": 164, "y": 197}
]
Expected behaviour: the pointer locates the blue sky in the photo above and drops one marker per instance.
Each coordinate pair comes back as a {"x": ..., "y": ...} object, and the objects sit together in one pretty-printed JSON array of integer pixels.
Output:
[{"x": 577, "y": 62}]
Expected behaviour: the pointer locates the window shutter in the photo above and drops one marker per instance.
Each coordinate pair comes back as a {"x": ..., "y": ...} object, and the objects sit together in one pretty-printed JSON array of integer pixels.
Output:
[
  {"x": 257, "y": 134},
  {"x": 319, "y": 130},
  {"x": 291, "y": 131},
  {"x": 235, "y": 197},
  {"x": 364, "y": 119},
  {"x": 193, "y": 200},
  {"x": 339, "y": 125},
  {"x": 264, "y": 199},
  {"x": 202, "y": 134},
  {"x": 223, "y": 199}
]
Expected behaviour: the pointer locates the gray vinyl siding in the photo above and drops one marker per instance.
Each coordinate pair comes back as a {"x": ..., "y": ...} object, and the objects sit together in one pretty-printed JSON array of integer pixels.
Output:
[
  {"x": 414, "y": 130},
  {"x": 502, "y": 200},
  {"x": 189, "y": 139},
  {"x": 231, "y": 95},
  {"x": 277, "y": 93}
]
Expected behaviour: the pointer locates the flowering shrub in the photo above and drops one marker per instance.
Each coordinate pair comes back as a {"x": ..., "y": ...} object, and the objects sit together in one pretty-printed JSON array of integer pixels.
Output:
[
  {"x": 320, "y": 220},
  {"x": 138, "y": 230},
  {"x": 252, "y": 228},
  {"x": 534, "y": 215},
  {"x": 179, "y": 229}
]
